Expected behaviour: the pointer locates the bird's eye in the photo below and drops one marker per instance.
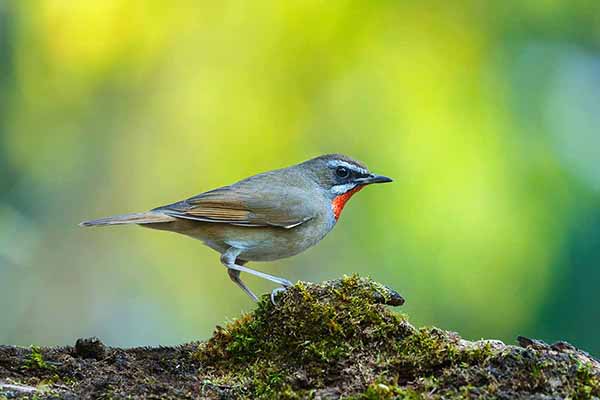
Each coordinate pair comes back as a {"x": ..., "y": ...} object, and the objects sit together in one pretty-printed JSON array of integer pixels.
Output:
[{"x": 342, "y": 172}]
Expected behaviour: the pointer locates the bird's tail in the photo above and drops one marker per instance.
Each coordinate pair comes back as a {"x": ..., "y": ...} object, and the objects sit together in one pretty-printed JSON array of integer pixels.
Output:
[{"x": 150, "y": 217}]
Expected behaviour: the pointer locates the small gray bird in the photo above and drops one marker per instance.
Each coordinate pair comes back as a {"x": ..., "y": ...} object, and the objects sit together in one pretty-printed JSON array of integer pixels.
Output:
[{"x": 265, "y": 217}]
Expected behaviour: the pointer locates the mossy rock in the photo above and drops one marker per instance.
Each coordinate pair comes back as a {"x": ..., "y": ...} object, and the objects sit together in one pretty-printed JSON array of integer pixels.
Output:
[{"x": 337, "y": 339}]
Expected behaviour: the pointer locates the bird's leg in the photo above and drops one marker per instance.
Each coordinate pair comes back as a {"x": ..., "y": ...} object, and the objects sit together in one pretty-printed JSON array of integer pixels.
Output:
[
  {"x": 234, "y": 274},
  {"x": 281, "y": 281},
  {"x": 235, "y": 277},
  {"x": 228, "y": 259}
]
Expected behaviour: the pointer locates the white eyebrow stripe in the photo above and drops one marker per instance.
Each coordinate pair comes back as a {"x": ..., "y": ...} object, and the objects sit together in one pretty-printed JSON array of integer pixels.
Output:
[{"x": 340, "y": 163}]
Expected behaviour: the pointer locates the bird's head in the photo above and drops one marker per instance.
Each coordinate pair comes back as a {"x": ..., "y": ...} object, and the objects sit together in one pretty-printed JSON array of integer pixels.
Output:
[{"x": 340, "y": 177}]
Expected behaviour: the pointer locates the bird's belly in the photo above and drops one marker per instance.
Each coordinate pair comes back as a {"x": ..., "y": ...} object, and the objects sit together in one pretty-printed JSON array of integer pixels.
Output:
[{"x": 262, "y": 243}]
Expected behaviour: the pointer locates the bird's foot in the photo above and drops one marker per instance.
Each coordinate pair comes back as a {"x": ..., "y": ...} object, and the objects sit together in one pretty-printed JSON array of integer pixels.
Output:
[
  {"x": 276, "y": 292},
  {"x": 285, "y": 283}
]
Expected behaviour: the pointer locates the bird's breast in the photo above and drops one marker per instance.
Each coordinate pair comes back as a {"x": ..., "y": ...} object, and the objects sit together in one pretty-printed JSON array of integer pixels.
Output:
[{"x": 263, "y": 243}]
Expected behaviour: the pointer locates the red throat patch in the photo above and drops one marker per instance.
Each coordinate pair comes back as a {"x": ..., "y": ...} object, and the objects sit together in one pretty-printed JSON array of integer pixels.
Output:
[{"x": 339, "y": 202}]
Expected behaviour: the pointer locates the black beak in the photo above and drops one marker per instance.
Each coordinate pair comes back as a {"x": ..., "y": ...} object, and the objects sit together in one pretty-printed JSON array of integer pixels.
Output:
[{"x": 372, "y": 178}]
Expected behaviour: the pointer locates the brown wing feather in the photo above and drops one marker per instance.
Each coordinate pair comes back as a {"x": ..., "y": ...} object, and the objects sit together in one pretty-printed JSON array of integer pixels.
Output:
[{"x": 237, "y": 205}]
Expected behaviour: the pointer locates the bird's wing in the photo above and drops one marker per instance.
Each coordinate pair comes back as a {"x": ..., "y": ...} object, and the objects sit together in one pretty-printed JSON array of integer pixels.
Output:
[{"x": 238, "y": 205}]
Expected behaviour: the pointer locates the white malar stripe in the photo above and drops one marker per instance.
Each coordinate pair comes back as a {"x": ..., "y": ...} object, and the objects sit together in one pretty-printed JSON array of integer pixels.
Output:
[
  {"x": 352, "y": 167},
  {"x": 341, "y": 189}
]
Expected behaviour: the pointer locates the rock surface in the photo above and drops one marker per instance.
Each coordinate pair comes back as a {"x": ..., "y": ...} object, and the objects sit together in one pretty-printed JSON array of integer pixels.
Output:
[{"x": 337, "y": 339}]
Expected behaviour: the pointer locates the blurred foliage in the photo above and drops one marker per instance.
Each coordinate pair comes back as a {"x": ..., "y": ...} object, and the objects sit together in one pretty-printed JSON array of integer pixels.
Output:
[{"x": 486, "y": 113}]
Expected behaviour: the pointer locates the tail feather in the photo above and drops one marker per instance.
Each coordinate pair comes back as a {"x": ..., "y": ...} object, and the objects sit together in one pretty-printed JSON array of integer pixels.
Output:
[{"x": 150, "y": 217}]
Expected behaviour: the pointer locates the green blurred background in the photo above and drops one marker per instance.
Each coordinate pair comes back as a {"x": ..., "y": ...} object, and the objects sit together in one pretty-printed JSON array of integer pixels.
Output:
[{"x": 487, "y": 114}]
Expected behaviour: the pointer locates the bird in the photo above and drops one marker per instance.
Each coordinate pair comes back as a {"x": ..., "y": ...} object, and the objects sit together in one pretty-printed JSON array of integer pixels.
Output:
[{"x": 266, "y": 217}]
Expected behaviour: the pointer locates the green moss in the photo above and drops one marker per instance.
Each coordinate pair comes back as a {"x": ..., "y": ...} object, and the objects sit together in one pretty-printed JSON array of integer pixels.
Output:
[
  {"x": 331, "y": 340},
  {"x": 425, "y": 351},
  {"x": 381, "y": 391},
  {"x": 339, "y": 339},
  {"x": 479, "y": 354},
  {"x": 320, "y": 329},
  {"x": 308, "y": 327},
  {"x": 588, "y": 383},
  {"x": 36, "y": 360}
]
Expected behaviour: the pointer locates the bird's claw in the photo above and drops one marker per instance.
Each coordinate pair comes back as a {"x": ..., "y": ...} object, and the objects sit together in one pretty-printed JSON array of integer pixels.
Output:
[{"x": 275, "y": 292}]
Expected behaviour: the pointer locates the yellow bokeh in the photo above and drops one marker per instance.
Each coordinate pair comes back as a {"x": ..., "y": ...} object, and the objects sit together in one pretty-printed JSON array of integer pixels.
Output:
[{"x": 118, "y": 106}]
